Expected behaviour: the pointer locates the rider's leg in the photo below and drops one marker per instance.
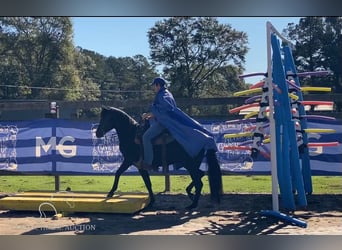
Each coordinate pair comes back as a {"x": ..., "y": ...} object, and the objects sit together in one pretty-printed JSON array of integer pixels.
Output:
[{"x": 154, "y": 130}]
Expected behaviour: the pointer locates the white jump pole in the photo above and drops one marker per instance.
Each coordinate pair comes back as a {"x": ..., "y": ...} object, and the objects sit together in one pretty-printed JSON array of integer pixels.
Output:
[
  {"x": 269, "y": 83},
  {"x": 273, "y": 143},
  {"x": 269, "y": 30}
]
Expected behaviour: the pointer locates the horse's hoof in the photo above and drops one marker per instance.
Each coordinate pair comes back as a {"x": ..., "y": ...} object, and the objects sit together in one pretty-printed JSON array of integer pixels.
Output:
[
  {"x": 192, "y": 206},
  {"x": 110, "y": 195},
  {"x": 191, "y": 196},
  {"x": 216, "y": 199}
]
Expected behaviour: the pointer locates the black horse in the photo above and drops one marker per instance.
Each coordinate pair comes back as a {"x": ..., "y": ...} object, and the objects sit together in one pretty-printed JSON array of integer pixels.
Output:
[{"x": 127, "y": 128}]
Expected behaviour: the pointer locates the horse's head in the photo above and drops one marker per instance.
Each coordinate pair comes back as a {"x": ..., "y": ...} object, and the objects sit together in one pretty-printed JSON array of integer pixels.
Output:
[
  {"x": 113, "y": 118},
  {"x": 107, "y": 121}
]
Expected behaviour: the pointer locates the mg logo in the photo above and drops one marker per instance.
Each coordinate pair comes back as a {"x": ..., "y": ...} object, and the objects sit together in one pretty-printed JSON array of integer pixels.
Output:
[{"x": 66, "y": 151}]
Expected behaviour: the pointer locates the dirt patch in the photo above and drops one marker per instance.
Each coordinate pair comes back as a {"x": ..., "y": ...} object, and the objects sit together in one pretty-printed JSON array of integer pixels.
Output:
[{"x": 237, "y": 214}]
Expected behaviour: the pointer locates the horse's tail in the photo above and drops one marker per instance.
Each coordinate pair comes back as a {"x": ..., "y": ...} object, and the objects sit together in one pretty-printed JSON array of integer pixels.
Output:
[{"x": 214, "y": 176}]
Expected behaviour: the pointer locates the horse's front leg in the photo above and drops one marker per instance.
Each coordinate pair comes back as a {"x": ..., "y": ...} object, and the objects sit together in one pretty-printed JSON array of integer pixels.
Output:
[
  {"x": 146, "y": 177},
  {"x": 124, "y": 166}
]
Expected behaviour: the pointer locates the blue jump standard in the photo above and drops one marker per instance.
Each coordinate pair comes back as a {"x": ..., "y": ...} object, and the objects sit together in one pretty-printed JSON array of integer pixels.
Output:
[{"x": 284, "y": 217}]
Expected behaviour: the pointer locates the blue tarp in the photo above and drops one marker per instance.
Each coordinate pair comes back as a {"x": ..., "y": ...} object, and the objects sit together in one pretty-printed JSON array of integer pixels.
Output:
[{"x": 64, "y": 146}]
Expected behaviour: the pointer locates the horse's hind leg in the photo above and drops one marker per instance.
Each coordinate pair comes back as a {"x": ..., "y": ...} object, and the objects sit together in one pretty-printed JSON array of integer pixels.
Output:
[
  {"x": 188, "y": 190},
  {"x": 196, "y": 176},
  {"x": 198, "y": 184},
  {"x": 191, "y": 186},
  {"x": 146, "y": 177},
  {"x": 124, "y": 166}
]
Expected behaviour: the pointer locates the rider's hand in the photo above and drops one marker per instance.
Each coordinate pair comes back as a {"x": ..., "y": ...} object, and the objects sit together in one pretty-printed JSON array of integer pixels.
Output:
[{"x": 147, "y": 116}]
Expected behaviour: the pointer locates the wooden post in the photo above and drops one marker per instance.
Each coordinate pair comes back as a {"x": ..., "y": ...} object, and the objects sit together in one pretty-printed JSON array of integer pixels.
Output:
[
  {"x": 54, "y": 113},
  {"x": 56, "y": 183},
  {"x": 165, "y": 165}
]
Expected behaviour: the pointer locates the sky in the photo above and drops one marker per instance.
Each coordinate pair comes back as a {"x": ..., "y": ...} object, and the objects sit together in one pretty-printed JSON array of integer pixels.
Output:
[{"x": 127, "y": 36}]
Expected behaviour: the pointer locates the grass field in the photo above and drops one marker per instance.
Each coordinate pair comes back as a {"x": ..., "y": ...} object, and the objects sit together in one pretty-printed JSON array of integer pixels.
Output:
[{"x": 231, "y": 184}]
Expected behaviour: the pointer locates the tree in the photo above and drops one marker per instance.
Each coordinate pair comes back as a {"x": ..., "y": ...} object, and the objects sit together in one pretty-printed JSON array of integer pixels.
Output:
[
  {"x": 318, "y": 45},
  {"x": 89, "y": 88},
  {"x": 119, "y": 78},
  {"x": 130, "y": 76},
  {"x": 38, "y": 57},
  {"x": 192, "y": 49},
  {"x": 224, "y": 82},
  {"x": 333, "y": 49},
  {"x": 93, "y": 68},
  {"x": 143, "y": 74}
]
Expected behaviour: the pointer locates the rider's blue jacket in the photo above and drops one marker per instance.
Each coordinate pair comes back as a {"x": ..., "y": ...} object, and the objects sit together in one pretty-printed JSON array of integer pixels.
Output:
[{"x": 187, "y": 131}]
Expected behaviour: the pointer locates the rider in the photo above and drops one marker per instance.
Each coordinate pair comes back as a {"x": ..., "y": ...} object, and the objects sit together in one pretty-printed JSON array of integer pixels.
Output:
[{"x": 164, "y": 113}]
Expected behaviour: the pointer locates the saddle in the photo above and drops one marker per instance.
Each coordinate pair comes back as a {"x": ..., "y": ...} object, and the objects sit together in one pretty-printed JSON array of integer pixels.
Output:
[{"x": 164, "y": 138}]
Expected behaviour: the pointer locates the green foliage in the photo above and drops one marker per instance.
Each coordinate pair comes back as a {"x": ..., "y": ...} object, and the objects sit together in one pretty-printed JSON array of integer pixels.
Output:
[
  {"x": 131, "y": 77},
  {"x": 38, "y": 54},
  {"x": 200, "y": 58},
  {"x": 318, "y": 45},
  {"x": 118, "y": 78},
  {"x": 112, "y": 79},
  {"x": 193, "y": 49}
]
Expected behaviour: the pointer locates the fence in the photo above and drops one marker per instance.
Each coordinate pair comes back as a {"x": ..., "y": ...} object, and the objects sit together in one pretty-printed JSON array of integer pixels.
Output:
[
  {"x": 66, "y": 147},
  {"x": 17, "y": 110}
]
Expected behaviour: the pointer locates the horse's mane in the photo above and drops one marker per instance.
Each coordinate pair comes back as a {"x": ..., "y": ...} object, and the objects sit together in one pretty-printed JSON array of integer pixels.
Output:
[
  {"x": 126, "y": 128},
  {"x": 131, "y": 120}
]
